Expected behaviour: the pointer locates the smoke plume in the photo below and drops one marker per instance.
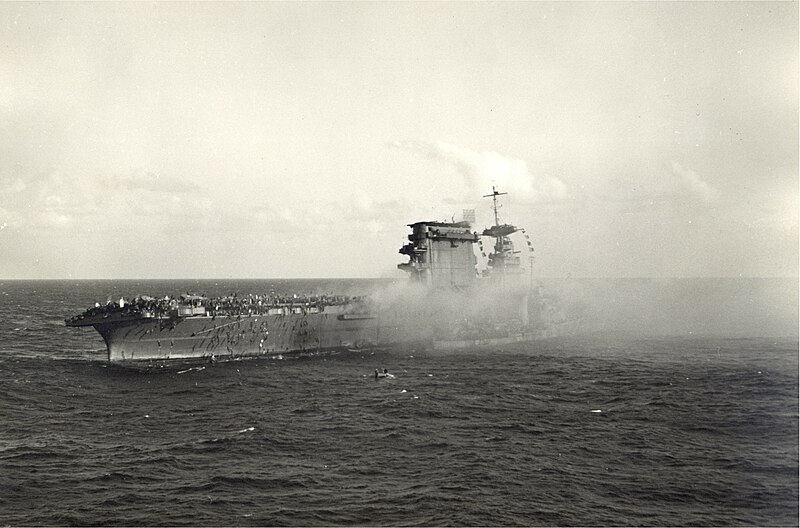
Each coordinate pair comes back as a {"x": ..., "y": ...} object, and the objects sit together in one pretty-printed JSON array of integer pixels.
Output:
[{"x": 481, "y": 170}]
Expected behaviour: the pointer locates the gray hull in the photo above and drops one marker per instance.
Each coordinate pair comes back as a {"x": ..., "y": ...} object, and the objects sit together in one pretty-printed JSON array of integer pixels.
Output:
[{"x": 254, "y": 335}]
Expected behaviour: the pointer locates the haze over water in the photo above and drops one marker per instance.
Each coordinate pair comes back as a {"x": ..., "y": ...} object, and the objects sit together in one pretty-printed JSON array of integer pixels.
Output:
[{"x": 675, "y": 404}]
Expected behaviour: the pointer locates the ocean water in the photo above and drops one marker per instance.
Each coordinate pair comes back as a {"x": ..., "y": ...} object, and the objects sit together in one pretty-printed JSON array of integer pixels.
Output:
[{"x": 664, "y": 419}]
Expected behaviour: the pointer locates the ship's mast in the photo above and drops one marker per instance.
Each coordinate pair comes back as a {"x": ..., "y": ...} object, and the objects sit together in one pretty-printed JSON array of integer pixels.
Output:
[
  {"x": 501, "y": 259},
  {"x": 494, "y": 196}
]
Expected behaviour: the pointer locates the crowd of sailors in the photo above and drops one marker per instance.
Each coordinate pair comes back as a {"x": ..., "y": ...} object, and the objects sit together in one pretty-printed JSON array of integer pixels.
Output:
[{"x": 233, "y": 304}]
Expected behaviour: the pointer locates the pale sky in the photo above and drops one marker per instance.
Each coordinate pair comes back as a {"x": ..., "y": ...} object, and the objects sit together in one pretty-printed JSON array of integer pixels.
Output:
[{"x": 292, "y": 140}]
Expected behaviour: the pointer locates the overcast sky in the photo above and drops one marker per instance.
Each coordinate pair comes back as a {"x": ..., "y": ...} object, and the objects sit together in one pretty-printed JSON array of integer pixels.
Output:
[{"x": 298, "y": 139}]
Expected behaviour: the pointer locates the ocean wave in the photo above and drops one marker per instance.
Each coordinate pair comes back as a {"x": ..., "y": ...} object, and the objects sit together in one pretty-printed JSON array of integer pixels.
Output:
[{"x": 506, "y": 438}]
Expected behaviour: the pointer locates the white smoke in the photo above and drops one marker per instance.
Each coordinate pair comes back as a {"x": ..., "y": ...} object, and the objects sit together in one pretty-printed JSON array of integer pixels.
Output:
[
  {"x": 488, "y": 308},
  {"x": 481, "y": 170}
]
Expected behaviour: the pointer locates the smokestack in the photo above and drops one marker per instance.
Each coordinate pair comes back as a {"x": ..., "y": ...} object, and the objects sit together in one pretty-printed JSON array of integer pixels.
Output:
[{"x": 468, "y": 215}]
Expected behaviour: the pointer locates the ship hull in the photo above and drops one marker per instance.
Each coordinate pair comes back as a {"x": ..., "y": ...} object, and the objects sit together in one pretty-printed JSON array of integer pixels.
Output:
[
  {"x": 435, "y": 320},
  {"x": 228, "y": 337}
]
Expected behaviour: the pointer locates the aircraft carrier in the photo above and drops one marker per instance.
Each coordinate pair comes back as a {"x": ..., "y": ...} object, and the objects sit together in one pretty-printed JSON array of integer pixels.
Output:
[{"x": 446, "y": 304}]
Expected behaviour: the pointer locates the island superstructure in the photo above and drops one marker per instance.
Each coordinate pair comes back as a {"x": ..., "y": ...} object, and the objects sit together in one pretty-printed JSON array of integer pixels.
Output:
[{"x": 446, "y": 304}]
